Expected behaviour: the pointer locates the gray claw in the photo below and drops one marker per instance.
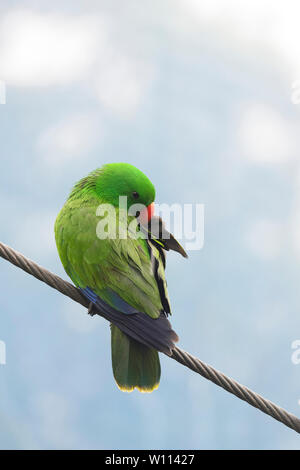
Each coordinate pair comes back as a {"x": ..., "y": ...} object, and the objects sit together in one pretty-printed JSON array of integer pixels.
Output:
[{"x": 90, "y": 309}]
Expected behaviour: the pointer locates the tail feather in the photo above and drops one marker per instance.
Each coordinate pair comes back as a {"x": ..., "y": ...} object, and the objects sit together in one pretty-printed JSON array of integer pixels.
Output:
[
  {"x": 134, "y": 364},
  {"x": 154, "y": 333}
]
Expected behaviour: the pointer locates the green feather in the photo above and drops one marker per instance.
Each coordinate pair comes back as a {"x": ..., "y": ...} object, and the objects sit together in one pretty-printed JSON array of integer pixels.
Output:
[{"x": 134, "y": 365}]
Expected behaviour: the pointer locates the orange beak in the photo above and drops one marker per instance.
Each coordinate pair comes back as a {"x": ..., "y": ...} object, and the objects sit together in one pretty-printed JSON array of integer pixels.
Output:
[{"x": 146, "y": 214}]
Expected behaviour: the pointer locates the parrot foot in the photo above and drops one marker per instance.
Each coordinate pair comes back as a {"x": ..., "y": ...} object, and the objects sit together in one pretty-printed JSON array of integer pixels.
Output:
[{"x": 90, "y": 309}]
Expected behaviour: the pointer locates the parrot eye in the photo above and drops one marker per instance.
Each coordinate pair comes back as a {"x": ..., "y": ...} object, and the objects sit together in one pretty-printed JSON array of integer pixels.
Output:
[{"x": 135, "y": 195}]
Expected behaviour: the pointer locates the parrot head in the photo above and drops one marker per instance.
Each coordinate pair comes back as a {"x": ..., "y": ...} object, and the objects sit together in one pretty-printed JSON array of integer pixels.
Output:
[
  {"x": 113, "y": 180},
  {"x": 122, "y": 179}
]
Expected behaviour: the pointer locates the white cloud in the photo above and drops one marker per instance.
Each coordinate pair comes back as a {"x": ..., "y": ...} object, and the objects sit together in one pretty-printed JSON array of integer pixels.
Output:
[
  {"x": 235, "y": 15},
  {"x": 46, "y": 49},
  {"x": 121, "y": 84},
  {"x": 39, "y": 49},
  {"x": 264, "y": 239},
  {"x": 263, "y": 135},
  {"x": 259, "y": 22},
  {"x": 68, "y": 139}
]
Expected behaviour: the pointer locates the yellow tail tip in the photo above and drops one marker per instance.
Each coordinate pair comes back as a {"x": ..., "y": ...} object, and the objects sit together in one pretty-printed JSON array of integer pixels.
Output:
[{"x": 125, "y": 388}]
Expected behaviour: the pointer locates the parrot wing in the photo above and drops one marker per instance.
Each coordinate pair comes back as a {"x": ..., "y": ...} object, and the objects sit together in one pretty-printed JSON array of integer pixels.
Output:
[
  {"x": 128, "y": 269},
  {"x": 116, "y": 276}
]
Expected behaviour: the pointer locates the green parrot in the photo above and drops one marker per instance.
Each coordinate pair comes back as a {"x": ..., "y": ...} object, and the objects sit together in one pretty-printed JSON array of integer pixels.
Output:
[{"x": 122, "y": 276}]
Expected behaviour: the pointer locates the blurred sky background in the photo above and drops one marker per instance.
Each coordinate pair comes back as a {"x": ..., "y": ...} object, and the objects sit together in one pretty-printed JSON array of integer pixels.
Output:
[{"x": 198, "y": 95}]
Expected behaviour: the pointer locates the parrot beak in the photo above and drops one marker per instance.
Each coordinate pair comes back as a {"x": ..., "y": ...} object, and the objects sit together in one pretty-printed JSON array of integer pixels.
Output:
[{"x": 146, "y": 214}]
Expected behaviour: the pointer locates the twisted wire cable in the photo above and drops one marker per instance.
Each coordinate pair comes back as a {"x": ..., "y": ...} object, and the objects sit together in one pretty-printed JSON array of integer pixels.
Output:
[{"x": 183, "y": 357}]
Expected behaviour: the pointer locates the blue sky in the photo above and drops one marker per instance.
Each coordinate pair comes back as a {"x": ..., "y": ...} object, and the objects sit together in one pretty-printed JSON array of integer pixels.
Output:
[{"x": 201, "y": 99}]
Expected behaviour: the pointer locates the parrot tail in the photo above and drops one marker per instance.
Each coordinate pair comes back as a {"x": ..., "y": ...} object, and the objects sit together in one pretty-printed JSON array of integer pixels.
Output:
[{"x": 134, "y": 364}]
